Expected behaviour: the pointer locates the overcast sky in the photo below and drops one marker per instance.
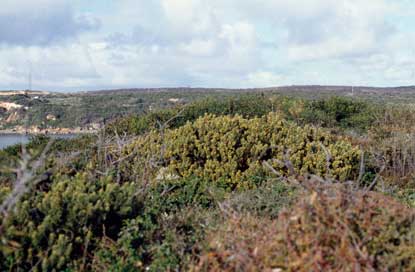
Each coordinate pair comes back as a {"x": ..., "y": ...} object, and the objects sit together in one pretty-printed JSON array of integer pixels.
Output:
[{"x": 96, "y": 44}]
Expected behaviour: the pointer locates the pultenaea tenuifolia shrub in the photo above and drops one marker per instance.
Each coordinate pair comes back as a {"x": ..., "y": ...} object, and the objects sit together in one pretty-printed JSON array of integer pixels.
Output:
[{"x": 230, "y": 150}]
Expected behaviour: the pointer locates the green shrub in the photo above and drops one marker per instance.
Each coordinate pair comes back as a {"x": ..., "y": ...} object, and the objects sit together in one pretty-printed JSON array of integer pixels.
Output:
[
  {"x": 57, "y": 227},
  {"x": 178, "y": 213},
  {"x": 339, "y": 112},
  {"x": 265, "y": 201},
  {"x": 229, "y": 150},
  {"x": 248, "y": 106},
  {"x": 164, "y": 236}
]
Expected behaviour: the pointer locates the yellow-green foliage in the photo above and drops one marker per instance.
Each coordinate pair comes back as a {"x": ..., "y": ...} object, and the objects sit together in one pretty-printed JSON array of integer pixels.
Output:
[
  {"x": 231, "y": 149},
  {"x": 54, "y": 229}
]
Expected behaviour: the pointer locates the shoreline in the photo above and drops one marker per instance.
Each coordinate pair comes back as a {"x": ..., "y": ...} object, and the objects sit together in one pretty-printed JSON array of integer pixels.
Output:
[{"x": 60, "y": 131}]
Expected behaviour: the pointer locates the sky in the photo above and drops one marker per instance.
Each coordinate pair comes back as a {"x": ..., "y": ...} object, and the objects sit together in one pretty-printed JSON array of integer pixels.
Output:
[{"x": 83, "y": 45}]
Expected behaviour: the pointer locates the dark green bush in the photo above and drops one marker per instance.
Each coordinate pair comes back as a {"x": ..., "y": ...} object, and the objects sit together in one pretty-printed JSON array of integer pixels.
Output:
[
  {"x": 247, "y": 106},
  {"x": 339, "y": 112},
  {"x": 163, "y": 233}
]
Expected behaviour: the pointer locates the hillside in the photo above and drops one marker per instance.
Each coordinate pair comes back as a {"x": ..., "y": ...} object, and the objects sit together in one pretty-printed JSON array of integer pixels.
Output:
[
  {"x": 38, "y": 111},
  {"x": 247, "y": 183}
]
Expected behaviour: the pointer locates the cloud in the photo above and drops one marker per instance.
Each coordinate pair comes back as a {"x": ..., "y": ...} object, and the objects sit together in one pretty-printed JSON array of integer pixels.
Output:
[
  {"x": 351, "y": 30},
  {"x": 265, "y": 79},
  {"x": 51, "y": 67},
  {"x": 199, "y": 48},
  {"x": 318, "y": 29},
  {"x": 215, "y": 43},
  {"x": 164, "y": 22},
  {"x": 309, "y": 30},
  {"x": 25, "y": 23}
]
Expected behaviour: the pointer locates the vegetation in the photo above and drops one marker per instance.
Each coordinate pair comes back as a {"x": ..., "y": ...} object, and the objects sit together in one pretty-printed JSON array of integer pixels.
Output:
[
  {"x": 335, "y": 112},
  {"x": 253, "y": 183},
  {"x": 330, "y": 230},
  {"x": 231, "y": 150},
  {"x": 86, "y": 109}
]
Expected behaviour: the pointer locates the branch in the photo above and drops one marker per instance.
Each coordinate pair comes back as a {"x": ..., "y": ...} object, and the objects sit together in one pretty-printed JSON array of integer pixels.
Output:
[{"x": 25, "y": 175}]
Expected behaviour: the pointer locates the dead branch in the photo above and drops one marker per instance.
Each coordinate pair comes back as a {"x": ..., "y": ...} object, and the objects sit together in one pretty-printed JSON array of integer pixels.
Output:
[{"x": 26, "y": 174}]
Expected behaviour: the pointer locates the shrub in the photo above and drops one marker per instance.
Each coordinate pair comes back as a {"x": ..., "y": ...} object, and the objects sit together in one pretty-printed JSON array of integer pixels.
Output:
[
  {"x": 391, "y": 139},
  {"x": 248, "y": 106},
  {"x": 167, "y": 231},
  {"x": 64, "y": 155},
  {"x": 265, "y": 201},
  {"x": 229, "y": 150},
  {"x": 334, "y": 230},
  {"x": 339, "y": 112},
  {"x": 177, "y": 214},
  {"x": 56, "y": 228}
]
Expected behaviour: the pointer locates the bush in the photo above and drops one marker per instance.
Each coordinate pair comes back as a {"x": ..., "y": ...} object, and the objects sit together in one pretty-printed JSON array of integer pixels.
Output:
[
  {"x": 176, "y": 217},
  {"x": 248, "y": 106},
  {"x": 229, "y": 150},
  {"x": 56, "y": 228},
  {"x": 334, "y": 230},
  {"x": 339, "y": 112},
  {"x": 265, "y": 201}
]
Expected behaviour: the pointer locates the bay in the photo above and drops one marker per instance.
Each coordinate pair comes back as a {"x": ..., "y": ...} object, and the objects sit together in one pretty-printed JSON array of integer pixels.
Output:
[{"x": 12, "y": 139}]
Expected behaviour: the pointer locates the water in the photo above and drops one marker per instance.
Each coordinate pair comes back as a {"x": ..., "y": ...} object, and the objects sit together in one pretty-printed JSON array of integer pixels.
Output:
[{"x": 12, "y": 139}]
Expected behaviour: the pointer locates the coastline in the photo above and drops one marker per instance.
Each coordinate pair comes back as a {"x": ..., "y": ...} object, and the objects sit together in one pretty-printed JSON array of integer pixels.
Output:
[{"x": 50, "y": 131}]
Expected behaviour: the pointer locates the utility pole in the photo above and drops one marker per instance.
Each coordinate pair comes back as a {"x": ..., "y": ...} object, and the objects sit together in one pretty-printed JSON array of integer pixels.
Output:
[{"x": 29, "y": 79}]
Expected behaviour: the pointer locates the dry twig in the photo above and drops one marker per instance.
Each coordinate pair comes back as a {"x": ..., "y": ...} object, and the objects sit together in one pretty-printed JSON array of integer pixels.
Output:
[{"x": 26, "y": 173}]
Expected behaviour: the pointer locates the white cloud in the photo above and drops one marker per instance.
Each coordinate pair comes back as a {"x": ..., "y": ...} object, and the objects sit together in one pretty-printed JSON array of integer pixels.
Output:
[
  {"x": 241, "y": 36},
  {"x": 188, "y": 15},
  {"x": 228, "y": 43},
  {"x": 265, "y": 79},
  {"x": 199, "y": 48}
]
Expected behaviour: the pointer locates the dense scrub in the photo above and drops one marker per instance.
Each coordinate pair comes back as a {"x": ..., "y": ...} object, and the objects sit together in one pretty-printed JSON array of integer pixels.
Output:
[
  {"x": 340, "y": 112},
  {"x": 335, "y": 112},
  {"x": 178, "y": 189},
  {"x": 330, "y": 230},
  {"x": 248, "y": 106},
  {"x": 88, "y": 222},
  {"x": 230, "y": 150},
  {"x": 55, "y": 227}
]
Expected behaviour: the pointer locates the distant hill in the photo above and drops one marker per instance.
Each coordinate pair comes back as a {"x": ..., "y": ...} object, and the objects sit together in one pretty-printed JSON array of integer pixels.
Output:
[
  {"x": 287, "y": 89},
  {"x": 83, "y": 110},
  {"x": 11, "y": 93}
]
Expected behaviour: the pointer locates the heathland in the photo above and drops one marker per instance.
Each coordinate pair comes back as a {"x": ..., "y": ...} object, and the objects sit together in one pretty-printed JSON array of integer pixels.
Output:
[{"x": 302, "y": 178}]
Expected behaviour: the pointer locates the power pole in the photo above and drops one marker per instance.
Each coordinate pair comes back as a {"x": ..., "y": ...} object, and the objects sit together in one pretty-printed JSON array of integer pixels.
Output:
[{"x": 29, "y": 79}]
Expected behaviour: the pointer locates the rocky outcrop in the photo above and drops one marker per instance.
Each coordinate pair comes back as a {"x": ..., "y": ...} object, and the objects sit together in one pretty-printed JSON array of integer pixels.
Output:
[
  {"x": 9, "y": 93},
  {"x": 38, "y": 130},
  {"x": 10, "y": 106},
  {"x": 13, "y": 117},
  {"x": 51, "y": 117}
]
